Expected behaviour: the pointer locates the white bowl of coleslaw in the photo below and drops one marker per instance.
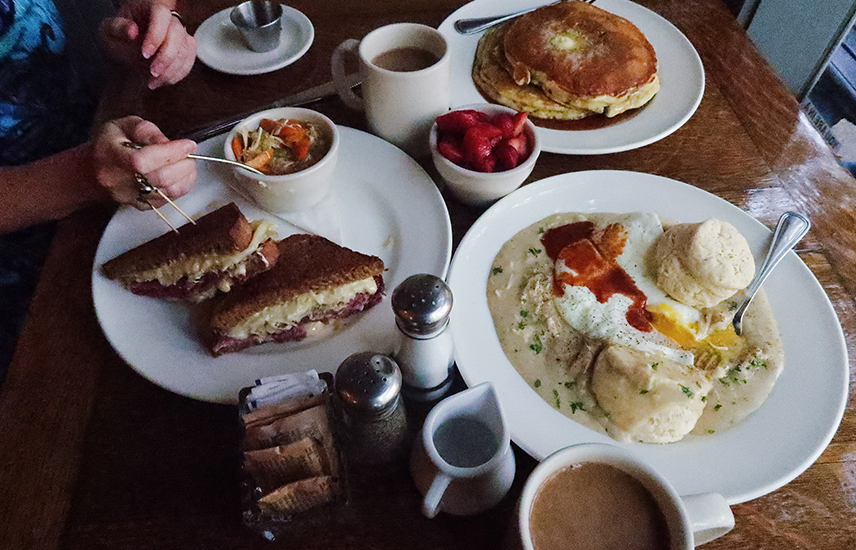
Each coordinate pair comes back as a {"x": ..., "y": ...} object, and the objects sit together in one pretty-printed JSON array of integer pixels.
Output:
[{"x": 296, "y": 148}]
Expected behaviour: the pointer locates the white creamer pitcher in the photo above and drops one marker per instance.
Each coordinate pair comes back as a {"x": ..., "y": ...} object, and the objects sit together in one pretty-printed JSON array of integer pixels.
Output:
[{"x": 462, "y": 462}]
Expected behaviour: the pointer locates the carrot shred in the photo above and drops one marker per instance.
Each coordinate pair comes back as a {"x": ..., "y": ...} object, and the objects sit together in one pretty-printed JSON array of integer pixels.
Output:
[
  {"x": 237, "y": 147},
  {"x": 261, "y": 160},
  {"x": 268, "y": 125}
]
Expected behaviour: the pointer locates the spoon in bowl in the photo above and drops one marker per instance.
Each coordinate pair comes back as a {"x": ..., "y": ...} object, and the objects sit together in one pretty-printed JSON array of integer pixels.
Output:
[
  {"x": 791, "y": 228},
  {"x": 132, "y": 145}
]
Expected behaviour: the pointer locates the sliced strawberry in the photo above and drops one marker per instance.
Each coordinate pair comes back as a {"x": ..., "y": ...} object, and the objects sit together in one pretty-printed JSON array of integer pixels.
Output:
[
  {"x": 451, "y": 149},
  {"x": 486, "y": 164},
  {"x": 478, "y": 143},
  {"x": 507, "y": 156},
  {"x": 518, "y": 123},
  {"x": 503, "y": 122},
  {"x": 457, "y": 122},
  {"x": 520, "y": 143}
]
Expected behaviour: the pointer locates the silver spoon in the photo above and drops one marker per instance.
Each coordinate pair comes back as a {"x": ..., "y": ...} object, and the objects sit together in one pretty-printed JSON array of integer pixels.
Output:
[
  {"x": 473, "y": 25},
  {"x": 791, "y": 228},
  {"x": 132, "y": 145}
]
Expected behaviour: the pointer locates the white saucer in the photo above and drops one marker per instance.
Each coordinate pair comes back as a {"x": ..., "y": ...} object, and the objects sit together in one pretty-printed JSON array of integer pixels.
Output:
[{"x": 220, "y": 46}]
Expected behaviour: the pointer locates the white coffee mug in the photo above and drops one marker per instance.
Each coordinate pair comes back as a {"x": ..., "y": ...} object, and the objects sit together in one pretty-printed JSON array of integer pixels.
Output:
[
  {"x": 462, "y": 462},
  {"x": 690, "y": 520},
  {"x": 400, "y": 102}
]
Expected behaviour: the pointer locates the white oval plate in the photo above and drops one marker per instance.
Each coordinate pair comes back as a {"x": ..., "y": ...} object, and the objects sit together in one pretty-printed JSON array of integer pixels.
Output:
[
  {"x": 681, "y": 79},
  {"x": 220, "y": 46},
  {"x": 771, "y": 447},
  {"x": 387, "y": 205}
]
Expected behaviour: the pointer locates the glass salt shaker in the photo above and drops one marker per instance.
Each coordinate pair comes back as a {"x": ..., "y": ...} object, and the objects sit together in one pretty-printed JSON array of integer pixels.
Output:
[
  {"x": 422, "y": 304},
  {"x": 368, "y": 388}
]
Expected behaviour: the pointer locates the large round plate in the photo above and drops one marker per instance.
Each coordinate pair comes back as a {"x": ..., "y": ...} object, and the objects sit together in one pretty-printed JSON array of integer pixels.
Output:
[
  {"x": 771, "y": 447},
  {"x": 387, "y": 206},
  {"x": 220, "y": 46},
  {"x": 681, "y": 79}
]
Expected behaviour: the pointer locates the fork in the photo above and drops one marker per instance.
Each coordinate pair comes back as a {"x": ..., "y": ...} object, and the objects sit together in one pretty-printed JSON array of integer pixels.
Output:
[{"x": 472, "y": 25}]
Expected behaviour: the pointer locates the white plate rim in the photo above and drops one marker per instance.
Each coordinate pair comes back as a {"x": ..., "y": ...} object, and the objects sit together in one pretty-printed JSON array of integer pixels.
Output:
[
  {"x": 245, "y": 62},
  {"x": 760, "y": 455},
  {"x": 669, "y": 110},
  {"x": 156, "y": 337}
]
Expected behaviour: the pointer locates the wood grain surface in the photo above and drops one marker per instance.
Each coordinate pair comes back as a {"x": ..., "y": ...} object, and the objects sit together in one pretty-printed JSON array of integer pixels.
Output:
[{"x": 95, "y": 456}]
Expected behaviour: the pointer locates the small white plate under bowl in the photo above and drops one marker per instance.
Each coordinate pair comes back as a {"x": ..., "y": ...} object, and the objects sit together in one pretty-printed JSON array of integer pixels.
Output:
[
  {"x": 220, "y": 46},
  {"x": 680, "y": 67},
  {"x": 769, "y": 448}
]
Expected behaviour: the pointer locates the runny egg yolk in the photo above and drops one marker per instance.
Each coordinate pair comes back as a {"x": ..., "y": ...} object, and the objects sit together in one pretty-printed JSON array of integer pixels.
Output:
[{"x": 669, "y": 323}]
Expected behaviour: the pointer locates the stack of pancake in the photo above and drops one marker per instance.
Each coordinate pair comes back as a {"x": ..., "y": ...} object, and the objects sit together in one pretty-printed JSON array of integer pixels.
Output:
[{"x": 567, "y": 61}]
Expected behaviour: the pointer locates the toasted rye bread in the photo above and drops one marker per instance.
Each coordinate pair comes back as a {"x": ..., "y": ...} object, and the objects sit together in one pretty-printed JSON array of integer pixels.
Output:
[
  {"x": 222, "y": 231},
  {"x": 306, "y": 263}
]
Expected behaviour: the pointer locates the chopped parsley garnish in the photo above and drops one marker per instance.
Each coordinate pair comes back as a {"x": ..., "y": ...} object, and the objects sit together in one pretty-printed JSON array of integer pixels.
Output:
[
  {"x": 757, "y": 363},
  {"x": 717, "y": 406},
  {"x": 558, "y": 401},
  {"x": 643, "y": 392},
  {"x": 577, "y": 406},
  {"x": 537, "y": 383},
  {"x": 524, "y": 313},
  {"x": 535, "y": 251},
  {"x": 689, "y": 393},
  {"x": 536, "y": 345},
  {"x": 570, "y": 383},
  {"x": 496, "y": 271},
  {"x": 654, "y": 365}
]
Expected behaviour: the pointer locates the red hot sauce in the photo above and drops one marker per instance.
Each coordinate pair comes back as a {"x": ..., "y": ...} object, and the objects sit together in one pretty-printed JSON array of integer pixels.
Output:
[{"x": 590, "y": 261}]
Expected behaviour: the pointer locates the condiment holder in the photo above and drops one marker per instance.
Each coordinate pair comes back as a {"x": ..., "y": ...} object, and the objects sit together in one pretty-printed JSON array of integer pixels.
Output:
[
  {"x": 293, "y": 474},
  {"x": 260, "y": 23},
  {"x": 372, "y": 416},
  {"x": 462, "y": 461},
  {"x": 422, "y": 304}
]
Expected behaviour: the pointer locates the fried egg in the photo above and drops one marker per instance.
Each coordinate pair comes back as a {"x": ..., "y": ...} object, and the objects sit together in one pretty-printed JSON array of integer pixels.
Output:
[{"x": 676, "y": 326}]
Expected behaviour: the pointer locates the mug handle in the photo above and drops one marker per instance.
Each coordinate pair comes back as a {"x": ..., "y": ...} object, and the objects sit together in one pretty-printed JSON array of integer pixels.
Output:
[
  {"x": 431, "y": 503},
  {"x": 337, "y": 64},
  {"x": 710, "y": 516}
]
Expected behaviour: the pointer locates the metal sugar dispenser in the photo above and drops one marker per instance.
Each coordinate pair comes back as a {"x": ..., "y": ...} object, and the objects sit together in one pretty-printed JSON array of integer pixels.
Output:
[
  {"x": 422, "y": 304},
  {"x": 374, "y": 423}
]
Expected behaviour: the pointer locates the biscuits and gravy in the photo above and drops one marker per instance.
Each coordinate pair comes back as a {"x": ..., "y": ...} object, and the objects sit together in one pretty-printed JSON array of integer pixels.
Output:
[{"x": 583, "y": 317}]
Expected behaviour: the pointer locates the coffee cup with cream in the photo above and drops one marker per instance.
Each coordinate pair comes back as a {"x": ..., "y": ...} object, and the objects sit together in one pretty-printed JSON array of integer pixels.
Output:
[
  {"x": 606, "y": 496},
  {"x": 405, "y": 69}
]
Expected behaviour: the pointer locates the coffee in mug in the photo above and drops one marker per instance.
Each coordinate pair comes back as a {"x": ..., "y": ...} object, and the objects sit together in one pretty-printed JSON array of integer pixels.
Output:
[
  {"x": 405, "y": 60},
  {"x": 405, "y": 72},
  {"x": 601, "y": 497},
  {"x": 598, "y": 507}
]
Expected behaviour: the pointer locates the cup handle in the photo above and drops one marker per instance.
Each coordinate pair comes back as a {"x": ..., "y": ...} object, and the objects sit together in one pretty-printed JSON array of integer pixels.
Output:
[
  {"x": 710, "y": 516},
  {"x": 431, "y": 503},
  {"x": 337, "y": 64}
]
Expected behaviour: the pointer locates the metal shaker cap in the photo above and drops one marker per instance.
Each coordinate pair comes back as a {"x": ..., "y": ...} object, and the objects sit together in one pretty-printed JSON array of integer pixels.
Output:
[
  {"x": 368, "y": 384},
  {"x": 422, "y": 304}
]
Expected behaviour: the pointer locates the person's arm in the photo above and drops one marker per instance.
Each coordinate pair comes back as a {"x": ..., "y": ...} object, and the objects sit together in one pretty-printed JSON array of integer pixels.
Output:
[{"x": 100, "y": 170}]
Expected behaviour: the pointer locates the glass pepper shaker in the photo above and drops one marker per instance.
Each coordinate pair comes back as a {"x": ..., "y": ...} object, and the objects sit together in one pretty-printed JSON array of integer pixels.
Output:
[
  {"x": 374, "y": 423},
  {"x": 422, "y": 304}
]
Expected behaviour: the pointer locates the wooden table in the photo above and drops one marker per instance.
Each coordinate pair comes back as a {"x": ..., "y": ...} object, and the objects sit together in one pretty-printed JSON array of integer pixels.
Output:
[{"x": 95, "y": 456}]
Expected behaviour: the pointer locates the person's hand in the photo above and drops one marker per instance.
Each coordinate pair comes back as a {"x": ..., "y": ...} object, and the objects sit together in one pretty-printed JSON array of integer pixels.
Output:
[
  {"x": 145, "y": 34},
  {"x": 162, "y": 162}
]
